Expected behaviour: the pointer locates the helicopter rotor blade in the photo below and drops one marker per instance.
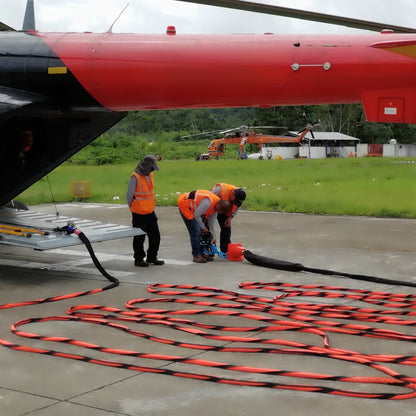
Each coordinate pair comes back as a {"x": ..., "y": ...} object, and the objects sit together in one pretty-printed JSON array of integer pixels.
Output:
[
  {"x": 303, "y": 14},
  {"x": 309, "y": 126},
  {"x": 204, "y": 133},
  {"x": 267, "y": 127},
  {"x": 215, "y": 132}
]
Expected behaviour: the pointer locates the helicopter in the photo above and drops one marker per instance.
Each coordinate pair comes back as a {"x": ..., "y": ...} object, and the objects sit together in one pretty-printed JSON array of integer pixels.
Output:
[{"x": 258, "y": 135}]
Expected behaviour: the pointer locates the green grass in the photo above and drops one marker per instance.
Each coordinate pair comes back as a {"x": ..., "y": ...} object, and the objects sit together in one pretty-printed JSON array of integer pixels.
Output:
[{"x": 383, "y": 187}]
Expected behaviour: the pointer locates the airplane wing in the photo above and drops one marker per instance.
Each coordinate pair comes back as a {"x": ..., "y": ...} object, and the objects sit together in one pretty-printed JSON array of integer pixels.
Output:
[
  {"x": 26, "y": 228},
  {"x": 271, "y": 9}
]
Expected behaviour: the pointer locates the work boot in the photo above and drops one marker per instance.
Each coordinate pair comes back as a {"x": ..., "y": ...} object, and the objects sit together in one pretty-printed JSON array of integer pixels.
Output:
[
  {"x": 155, "y": 261},
  {"x": 207, "y": 257},
  {"x": 141, "y": 263},
  {"x": 199, "y": 259}
]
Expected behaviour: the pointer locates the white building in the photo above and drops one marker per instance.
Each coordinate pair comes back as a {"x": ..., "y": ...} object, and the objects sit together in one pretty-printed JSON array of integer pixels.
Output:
[
  {"x": 321, "y": 145},
  {"x": 333, "y": 144}
]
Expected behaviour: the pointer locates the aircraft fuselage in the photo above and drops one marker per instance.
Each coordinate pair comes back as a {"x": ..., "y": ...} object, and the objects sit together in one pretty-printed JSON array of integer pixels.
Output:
[{"x": 127, "y": 72}]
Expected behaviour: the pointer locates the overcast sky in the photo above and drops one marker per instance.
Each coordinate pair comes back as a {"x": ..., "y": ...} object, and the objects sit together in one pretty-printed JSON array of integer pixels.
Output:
[{"x": 153, "y": 16}]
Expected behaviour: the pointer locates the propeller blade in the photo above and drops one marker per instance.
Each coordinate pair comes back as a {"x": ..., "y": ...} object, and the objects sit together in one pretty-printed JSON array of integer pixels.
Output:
[{"x": 303, "y": 14}]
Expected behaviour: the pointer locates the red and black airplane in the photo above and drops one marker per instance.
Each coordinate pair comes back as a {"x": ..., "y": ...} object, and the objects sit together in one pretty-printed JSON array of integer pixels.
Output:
[{"x": 59, "y": 91}]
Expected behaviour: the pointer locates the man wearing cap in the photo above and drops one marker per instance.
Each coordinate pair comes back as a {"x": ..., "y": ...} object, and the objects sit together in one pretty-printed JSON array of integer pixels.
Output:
[
  {"x": 141, "y": 200},
  {"x": 237, "y": 196},
  {"x": 199, "y": 210}
]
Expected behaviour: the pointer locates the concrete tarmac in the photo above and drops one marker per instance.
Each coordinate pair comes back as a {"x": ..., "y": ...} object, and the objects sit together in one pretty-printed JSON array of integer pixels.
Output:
[{"x": 46, "y": 385}]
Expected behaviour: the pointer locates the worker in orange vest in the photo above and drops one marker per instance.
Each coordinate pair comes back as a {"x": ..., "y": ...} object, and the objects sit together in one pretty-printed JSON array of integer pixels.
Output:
[
  {"x": 237, "y": 196},
  {"x": 141, "y": 200},
  {"x": 199, "y": 211}
]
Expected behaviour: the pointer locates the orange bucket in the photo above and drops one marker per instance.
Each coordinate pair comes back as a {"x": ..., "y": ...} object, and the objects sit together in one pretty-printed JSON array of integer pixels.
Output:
[{"x": 235, "y": 252}]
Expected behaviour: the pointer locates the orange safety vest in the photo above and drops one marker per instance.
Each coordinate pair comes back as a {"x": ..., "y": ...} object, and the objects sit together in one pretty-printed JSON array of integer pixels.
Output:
[
  {"x": 225, "y": 193},
  {"x": 188, "y": 202},
  {"x": 144, "y": 198}
]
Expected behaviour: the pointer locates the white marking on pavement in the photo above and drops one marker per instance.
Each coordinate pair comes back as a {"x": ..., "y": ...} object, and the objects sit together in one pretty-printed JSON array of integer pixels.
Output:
[{"x": 112, "y": 257}]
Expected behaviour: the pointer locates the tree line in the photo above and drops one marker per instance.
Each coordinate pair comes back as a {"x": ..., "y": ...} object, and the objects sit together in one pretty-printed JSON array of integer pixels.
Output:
[
  {"x": 348, "y": 119},
  {"x": 177, "y": 133}
]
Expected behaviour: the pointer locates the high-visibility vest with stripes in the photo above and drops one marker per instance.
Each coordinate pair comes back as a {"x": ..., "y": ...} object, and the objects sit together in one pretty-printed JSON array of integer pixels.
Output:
[
  {"x": 188, "y": 202},
  {"x": 144, "y": 198},
  {"x": 226, "y": 190}
]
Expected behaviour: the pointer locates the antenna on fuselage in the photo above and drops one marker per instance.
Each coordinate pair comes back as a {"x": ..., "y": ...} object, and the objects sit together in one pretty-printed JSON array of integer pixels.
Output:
[
  {"x": 29, "y": 20},
  {"x": 110, "y": 30}
]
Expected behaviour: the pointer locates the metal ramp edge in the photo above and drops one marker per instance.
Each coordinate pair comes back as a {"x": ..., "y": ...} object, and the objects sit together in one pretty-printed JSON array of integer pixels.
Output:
[{"x": 14, "y": 223}]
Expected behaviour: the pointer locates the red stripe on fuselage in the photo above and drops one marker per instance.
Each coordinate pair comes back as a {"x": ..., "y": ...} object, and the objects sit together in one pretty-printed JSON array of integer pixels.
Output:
[{"x": 135, "y": 72}]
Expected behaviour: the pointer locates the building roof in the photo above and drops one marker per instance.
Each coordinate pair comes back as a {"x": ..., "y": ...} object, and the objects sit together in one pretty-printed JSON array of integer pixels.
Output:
[{"x": 329, "y": 135}]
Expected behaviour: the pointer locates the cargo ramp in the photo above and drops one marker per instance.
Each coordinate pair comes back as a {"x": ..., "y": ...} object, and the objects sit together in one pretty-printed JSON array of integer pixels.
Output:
[{"x": 26, "y": 228}]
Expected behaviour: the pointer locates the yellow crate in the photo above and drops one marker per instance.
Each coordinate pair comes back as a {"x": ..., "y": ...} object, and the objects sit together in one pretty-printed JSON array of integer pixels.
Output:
[{"x": 80, "y": 189}]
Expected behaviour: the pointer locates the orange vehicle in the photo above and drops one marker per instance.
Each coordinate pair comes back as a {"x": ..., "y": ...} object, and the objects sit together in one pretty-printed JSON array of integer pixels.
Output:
[{"x": 242, "y": 137}]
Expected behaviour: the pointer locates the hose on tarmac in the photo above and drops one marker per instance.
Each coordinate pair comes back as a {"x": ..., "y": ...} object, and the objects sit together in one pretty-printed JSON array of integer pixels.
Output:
[
  {"x": 277, "y": 315},
  {"x": 68, "y": 229},
  {"x": 297, "y": 267}
]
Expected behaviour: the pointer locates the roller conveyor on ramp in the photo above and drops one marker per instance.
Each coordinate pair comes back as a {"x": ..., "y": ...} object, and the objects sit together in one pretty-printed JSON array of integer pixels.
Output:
[{"x": 35, "y": 230}]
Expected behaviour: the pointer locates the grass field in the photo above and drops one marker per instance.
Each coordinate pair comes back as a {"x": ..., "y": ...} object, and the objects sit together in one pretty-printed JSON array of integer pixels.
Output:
[{"x": 383, "y": 187}]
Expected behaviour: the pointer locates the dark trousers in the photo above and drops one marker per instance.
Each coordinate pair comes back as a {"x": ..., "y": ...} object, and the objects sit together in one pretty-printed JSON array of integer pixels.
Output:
[
  {"x": 148, "y": 223},
  {"x": 225, "y": 233}
]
